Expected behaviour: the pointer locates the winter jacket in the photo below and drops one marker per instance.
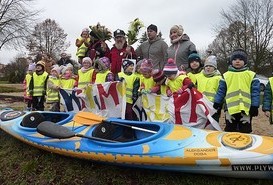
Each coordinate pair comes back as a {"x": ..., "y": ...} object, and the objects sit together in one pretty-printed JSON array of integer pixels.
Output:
[
  {"x": 267, "y": 100},
  {"x": 181, "y": 50},
  {"x": 156, "y": 50}
]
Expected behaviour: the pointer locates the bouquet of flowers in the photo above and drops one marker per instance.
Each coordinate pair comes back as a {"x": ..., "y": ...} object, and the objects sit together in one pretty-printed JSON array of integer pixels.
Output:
[
  {"x": 133, "y": 31},
  {"x": 101, "y": 32}
]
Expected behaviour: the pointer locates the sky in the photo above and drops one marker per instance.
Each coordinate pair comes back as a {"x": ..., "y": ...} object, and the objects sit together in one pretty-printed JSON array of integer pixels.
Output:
[{"x": 198, "y": 18}]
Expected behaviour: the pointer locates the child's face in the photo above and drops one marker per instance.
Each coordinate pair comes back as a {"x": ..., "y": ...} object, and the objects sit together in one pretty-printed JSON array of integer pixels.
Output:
[
  {"x": 194, "y": 64},
  {"x": 146, "y": 74},
  {"x": 86, "y": 65},
  {"x": 54, "y": 73},
  {"x": 171, "y": 77},
  {"x": 238, "y": 63},
  {"x": 209, "y": 69},
  {"x": 130, "y": 68},
  {"x": 39, "y": 68}
]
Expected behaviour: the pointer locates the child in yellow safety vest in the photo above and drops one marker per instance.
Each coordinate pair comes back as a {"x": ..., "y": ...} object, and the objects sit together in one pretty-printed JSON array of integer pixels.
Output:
[
  {"x": 132, "y": 85},
  {"x": 68, "y": 79},
  {"x": 160, "y": 87},
  {"x": 26, "y": 82},
  {"x": 37, "y": 86},
  {"x": 268, "y": 100},
  {"x": 241, "y": 90},
  {"x": 208, "y": 81},
  {"x": 195, "y": 67},
  {"x": 103, "y": 73},
  {"x": 53, "y": 87},
  {"x": 86, "y": 73},
  {"x": 176, "y": 81},
  {"x": 146, "y": 80}
]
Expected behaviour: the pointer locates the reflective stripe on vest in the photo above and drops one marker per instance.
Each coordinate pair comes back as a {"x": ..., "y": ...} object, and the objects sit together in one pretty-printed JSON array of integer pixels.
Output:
[
  {"x": 53, "y": 95},
  {"x": 85, "y": 78},
  {"x": 238, "y": 97},
  {"x": 39, "y": 84},
  {"x": 208, "y": 85},
  {"x": 129, "y": 79}
]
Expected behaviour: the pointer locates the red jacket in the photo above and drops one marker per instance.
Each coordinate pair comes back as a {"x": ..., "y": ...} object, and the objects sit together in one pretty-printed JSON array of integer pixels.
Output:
[{"x": 116, "y": 57}]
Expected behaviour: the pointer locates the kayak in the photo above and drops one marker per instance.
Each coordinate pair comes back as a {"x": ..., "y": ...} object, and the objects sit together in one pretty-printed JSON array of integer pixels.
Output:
[{"x": 151, "y": 145}]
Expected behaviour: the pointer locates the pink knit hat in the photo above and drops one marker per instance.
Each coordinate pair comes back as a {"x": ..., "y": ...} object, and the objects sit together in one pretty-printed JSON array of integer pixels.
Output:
[
  {"x": 146, "y": 66},
  {"x": 170, "y": 68},
  {"x": 158, "y": 75}
]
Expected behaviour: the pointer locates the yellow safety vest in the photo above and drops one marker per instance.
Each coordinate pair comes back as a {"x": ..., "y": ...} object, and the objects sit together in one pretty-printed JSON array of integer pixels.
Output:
[
  {"x": 238, "y": 97},
  {"x": 39, "y": 84},
  {"x": 271, "y": 85},
  {"x": 81, "y": 51},
  {"x": 68, "y": 83},
  {"x": 147, "y": 82},
  {"x": 85, "y": 78},
  {"x": 53, "y": 95},
  {"x": 208, "y": 85},
  {"x": 129, "y": 84},
  {"x": 101, "y": 77},
  {"x": 194, "y": 77},
  {"x": 176, "y": 83}
]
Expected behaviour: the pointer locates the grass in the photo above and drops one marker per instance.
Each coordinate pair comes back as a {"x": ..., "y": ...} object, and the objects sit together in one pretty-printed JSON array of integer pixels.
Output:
[{"x": 23, "y": 164}]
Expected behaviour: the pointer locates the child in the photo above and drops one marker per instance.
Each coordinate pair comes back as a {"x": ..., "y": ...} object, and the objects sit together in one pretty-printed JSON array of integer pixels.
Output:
[
  {"x": 68, "y": 79},
  {"x": 132, "y": 85},
  {"x": 137, "y": 72},
  {"x": 160, "y": 88},
  {"x": 208, "y": 82},
  {"x": 146, "y": 80},
  {"x": 53, "y": 87},
  {"x": 82, "y": 43},
  {"x": 176, "y": 81},
  {"x": 86, "y": 73},
  {"x": 267, "y": 100},
  {"x": 27, "y": 96},
  {"x": 37, "y": 86},
  {"x": 103, "y": 73},
  {"x": 241, "y": 90},
  {"x": 195, "y": 67}
]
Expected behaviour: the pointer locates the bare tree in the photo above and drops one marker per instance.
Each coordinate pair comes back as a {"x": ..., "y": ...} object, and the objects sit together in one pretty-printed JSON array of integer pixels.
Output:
[
  {"x": 47, "y": 37},
  {"x": 247, "y": 24},
  {"x": 16, "y": 17}
]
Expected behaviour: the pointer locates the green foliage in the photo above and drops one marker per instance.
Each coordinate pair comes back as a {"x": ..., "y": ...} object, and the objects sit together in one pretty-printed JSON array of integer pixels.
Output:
[
  {"x": 133, "y": 31},
  {"x": 16, "y": 71}
]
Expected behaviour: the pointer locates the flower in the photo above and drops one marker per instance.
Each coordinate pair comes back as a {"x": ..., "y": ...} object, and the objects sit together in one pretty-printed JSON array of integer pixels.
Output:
[
  {"x": 133, "y": 31},
  {"x": 101, "y": 32}
]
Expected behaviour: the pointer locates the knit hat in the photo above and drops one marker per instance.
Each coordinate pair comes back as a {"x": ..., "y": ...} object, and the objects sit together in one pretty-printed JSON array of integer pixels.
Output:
[
  {"x": 87, "y": 60},
  {"x": 194, "y": 57},
  {"x": 57, "y": 69},
  {"x": 85, "y": 30},
  {"x": 126, "y": 63},
  {"x": 177, "y": 28},
  {"x": 158, "y": 75},
  {"x": 146, "y": 66},
  {"x": 69, "y": 65},
  {"x": 152, "y": 27},
  {"x": 170, "y": 68},
  {"x": 239, "y": 54},
  {"x": 42, "y": 63},
  {"x": 119, "y": 33},
  {"x": 31, "y": 66},
  {"x": 211, "y": 61},
  {"x": 102, "y": 64}
]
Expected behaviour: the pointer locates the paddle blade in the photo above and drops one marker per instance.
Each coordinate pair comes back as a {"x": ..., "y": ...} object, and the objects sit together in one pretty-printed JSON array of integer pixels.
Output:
[
  {"x": 50, "y": 129},
  {"x": 88, "y": 118}
]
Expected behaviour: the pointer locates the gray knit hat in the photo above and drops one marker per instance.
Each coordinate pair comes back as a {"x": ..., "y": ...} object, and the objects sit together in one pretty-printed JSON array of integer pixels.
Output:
[{"x": 211, "y": 61}]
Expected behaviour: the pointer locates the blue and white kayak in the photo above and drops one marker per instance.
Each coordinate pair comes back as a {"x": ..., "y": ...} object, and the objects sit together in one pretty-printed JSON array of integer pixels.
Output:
[{"x": 151, "y": 145}]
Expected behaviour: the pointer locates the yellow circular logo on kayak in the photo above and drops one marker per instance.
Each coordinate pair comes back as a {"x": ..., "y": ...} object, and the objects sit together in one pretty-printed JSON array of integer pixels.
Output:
[{"x": 237, "y": 140}]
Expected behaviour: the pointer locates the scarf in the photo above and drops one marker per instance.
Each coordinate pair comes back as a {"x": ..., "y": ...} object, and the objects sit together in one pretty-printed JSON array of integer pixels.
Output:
[
  {"x": 214, "y": 73},
  {"x": 85, "y": 70},
  {"x": 231, "y": 68}
]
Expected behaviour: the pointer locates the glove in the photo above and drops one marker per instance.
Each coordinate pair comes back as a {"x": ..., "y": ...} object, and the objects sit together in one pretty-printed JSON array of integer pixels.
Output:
[
  {"x": 217, "y": 105},
  {"x": 253, "y": 111},
  {"x": 191, "y": 85}
]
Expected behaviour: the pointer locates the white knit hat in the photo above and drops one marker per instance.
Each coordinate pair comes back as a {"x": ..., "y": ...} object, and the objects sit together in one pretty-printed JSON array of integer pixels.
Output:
[{"x": 211, "y": 61}]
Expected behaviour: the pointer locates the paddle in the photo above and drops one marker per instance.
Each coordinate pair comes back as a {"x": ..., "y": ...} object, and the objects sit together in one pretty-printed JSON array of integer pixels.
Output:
[
  {"x": 50, "y": 129},
  {"x": 89, "y": 118}
]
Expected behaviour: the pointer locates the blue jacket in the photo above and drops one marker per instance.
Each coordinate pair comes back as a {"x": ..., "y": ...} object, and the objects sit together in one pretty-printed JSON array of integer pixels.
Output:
[
  {"x": 267, "y": 100},
  {"x": 255, "y": 92}
]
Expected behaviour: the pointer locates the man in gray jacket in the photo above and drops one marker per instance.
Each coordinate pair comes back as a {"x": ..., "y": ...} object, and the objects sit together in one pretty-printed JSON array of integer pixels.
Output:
[{"x": 154, "y": 48}]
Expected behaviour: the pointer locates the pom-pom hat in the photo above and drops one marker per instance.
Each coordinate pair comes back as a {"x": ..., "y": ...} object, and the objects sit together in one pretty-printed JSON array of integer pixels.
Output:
[
  {"x": 126, "y": 64},
  {"x": 158, "y": 75},
  {"x": 170, "y": 68},
  {"x": 146, "y": 66}
]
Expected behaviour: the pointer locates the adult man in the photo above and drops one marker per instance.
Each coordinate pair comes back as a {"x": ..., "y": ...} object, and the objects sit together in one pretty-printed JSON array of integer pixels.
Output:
[
  {"x": 119, "y": 51},
  {"x": 154, "y": 48},
  {"x": 64, "y": 60}
]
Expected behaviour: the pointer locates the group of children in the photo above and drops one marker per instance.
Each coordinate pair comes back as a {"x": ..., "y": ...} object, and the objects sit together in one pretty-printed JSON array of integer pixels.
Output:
[{"x": 238, "y": 90}]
